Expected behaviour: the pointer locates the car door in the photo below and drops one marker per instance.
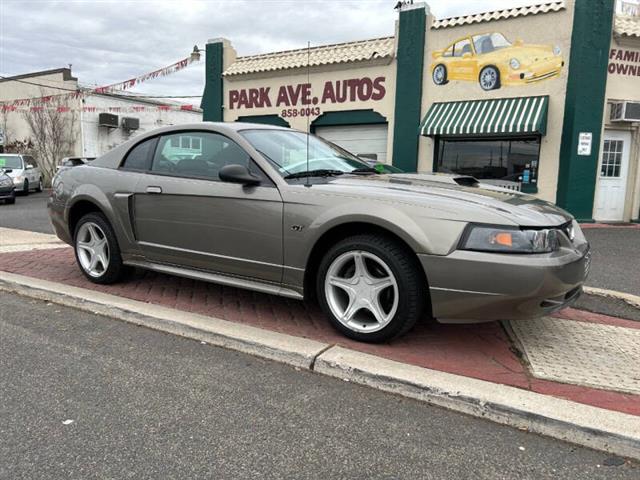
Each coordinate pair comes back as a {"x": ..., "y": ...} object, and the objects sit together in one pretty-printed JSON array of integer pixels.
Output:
[
  {"x": 31, "y": 173},
  {"x": 185, "y": 215},
  {"x": 463, "y": 63}
]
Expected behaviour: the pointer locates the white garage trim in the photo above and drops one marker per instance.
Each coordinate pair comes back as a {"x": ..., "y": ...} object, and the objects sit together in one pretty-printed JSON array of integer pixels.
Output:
[{"x": 368, "y": 140}]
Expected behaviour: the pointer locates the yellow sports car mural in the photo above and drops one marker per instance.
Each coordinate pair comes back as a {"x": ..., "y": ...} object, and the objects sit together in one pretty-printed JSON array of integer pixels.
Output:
[{"x": 493, "y": 61}]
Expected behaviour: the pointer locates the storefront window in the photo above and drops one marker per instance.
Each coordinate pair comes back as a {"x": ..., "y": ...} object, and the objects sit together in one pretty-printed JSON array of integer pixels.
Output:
[{"x": 500, "y": 161}]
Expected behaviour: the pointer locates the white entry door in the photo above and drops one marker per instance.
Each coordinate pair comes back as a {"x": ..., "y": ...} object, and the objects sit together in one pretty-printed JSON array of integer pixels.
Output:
[
  {"x": 368, "y": 141},
  {"x": 612, "y": 184}
]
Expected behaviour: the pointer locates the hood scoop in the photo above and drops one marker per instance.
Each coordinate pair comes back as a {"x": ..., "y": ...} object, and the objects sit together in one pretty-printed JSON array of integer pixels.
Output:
[{"x": 466, "y": 181}]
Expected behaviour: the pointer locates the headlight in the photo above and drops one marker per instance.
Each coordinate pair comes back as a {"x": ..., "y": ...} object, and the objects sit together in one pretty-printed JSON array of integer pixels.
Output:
[
  {"x": 557, "y": 50},
  {"x": 514, "y": 63},
  {"x": 18, "y": 179},
  {"x": 510, "y": 240}
]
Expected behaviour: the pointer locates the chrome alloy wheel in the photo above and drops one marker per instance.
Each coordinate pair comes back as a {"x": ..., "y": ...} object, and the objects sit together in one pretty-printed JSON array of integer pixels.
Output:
[
  {"x": 93, "y": 249},
  {"x": 361, "y": 291}
]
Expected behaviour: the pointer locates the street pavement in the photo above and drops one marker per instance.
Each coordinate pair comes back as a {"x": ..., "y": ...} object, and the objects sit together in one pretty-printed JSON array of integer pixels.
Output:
[
  {"x": 28, "y": 213},
  {"x": 616, "y": 259},
  {"x": 84, "y": 396}
]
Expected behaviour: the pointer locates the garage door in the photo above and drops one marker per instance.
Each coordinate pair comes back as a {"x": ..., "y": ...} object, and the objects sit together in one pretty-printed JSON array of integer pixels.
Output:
[{"x": 365, "y": 140}]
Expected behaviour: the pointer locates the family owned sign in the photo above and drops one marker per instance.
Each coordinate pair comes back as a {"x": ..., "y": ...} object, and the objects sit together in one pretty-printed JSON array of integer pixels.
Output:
[{"x": 303, "y": 94}]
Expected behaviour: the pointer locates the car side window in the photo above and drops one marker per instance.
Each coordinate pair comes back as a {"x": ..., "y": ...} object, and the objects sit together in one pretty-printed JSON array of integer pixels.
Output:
[
  {"x": 197, "y": 155},
  {"x": 30, "y": 160},
  {"x": 139, "y": 156},
  {"x": 462, "y": 47}
]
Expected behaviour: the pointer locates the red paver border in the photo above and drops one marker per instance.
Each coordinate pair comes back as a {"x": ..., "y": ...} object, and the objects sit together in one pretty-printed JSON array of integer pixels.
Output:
[{"x": 481, "y": 351}]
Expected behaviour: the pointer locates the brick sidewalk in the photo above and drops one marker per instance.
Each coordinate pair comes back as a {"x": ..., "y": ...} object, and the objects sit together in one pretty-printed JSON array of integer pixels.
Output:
[{"x": 478, "y": 351}]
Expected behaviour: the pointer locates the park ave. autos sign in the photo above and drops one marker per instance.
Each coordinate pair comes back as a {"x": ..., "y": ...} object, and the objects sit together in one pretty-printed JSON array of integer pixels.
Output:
[{"x": 301, "y": 100}]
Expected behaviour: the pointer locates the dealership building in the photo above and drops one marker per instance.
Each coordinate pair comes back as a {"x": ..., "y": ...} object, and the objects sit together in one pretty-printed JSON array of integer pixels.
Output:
[{"x": 543, "y": 99}]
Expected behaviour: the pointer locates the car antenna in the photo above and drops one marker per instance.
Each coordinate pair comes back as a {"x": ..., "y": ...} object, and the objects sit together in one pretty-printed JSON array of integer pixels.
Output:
[{"x": 307, "y": 184}]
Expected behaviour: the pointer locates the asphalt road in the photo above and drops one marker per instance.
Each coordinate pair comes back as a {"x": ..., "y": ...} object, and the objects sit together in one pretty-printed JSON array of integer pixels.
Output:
[
  {"x": 28, "y": 213},
  {"x": 84, "y": 396},
  {"x": 616, "y": 255}
]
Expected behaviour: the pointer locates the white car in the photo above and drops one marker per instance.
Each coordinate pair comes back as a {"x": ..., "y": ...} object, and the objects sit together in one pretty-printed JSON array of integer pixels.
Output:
[{"x": 23, "y": 171}]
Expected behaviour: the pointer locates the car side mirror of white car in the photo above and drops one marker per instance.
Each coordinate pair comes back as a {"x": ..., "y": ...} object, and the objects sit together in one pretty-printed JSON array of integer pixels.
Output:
[{"x": 29, "y": 166}]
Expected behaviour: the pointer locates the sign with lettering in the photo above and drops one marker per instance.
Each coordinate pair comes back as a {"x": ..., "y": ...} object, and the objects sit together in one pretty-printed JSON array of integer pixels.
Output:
[
  {"x": 584, "y": 143},
  {"x": 291, "y": 97},
  {"x": 624, "y": 62}
]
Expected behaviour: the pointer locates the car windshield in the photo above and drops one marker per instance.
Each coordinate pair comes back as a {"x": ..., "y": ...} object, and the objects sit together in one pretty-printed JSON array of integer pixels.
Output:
[
  {"x": 490, "y": 43},
  {"x": 287, "y": 151},
  {"x": 10, "y": 161}
]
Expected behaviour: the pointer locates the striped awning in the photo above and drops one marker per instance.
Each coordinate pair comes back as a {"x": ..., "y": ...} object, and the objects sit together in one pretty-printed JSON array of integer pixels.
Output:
[{"x": 500, "y": 116}]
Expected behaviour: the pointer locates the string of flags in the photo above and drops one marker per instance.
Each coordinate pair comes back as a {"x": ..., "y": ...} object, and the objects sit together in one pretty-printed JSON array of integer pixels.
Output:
[
  {"x": 96, "y": 109},
  {"x": 112, "y": 88}
]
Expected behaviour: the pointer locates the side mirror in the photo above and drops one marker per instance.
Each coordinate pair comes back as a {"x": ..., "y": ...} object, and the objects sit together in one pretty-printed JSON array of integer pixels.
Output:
[
  {"x": 29, "y": 166},
  {"x": 238, "y": 174}
]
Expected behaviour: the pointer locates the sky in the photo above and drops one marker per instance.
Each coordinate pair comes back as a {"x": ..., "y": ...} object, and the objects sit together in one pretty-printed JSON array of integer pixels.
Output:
[{"x": 111, "y": 41}]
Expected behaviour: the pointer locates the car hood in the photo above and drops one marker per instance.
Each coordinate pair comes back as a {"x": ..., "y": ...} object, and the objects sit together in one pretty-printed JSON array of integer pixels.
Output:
[
  {"x": 15, "y": 172},
  {"x": 525, "y": 53},
  {"x": 443, "y": 192}
]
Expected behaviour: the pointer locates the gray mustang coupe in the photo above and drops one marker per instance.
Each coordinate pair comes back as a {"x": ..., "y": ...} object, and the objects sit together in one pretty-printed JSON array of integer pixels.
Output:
[{"x": 279, "y": 211}]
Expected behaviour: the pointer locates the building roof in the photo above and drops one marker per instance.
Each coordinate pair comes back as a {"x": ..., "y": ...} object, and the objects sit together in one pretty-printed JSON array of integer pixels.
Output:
[
  {"x": 499, "y": 14},
  {"x": 66, "y": 75},
  {"x": 627, "y": 26},
  {"x": 359, "y": 51}
]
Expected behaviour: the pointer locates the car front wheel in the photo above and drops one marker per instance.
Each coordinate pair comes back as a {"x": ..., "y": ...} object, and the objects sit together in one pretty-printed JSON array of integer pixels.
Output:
[
  {"x": 489, "y": 78},
  {"x": 97, "y": 250},
  {"x": 371, "y": 288},
  {"x": 40, "y": 186}
]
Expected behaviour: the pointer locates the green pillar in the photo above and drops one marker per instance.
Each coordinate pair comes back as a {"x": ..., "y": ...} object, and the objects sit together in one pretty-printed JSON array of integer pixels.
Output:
[
  {"x": 584, "y": 105},
  {"x": 410, "y": 60},
  {"x": 212, "y": 97}
]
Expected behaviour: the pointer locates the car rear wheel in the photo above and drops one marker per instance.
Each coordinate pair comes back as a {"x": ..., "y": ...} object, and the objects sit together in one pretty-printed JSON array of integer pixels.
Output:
[
  {"x": 25, "y": 188},
  {"x": 439, "y": 75},
  {"x": 489, "y": 78},
  {"x": 371, "y": 288},
  {"x": 10, "y": 201},
  {"x": 97, "y": 250}
]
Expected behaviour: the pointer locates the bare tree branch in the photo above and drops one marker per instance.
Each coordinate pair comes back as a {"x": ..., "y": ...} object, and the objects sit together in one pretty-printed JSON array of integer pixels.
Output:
[{"x": 53, "y": 134}]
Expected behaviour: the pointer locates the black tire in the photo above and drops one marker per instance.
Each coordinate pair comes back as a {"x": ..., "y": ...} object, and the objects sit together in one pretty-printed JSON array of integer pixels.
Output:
[
  {"x": 116, "y": 270},
  {"x": 412, "y": 288},
  {"x": 10, "y": 201},
  {"x": 25, "y": 188},
  {"x": 439, "y": 75},
  {"x": 39, "y": 188},
  {"x": 489, "y": 78}
]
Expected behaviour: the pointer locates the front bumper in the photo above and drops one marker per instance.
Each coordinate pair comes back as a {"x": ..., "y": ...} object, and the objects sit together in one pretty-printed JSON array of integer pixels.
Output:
[
  {"x": 7, "y": 192},
  {"x": 470, "y": 287}
]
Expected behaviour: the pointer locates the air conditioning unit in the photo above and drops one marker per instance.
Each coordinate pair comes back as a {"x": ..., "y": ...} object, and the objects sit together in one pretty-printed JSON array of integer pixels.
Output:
[
  {"x": 625, "y": 112},
  {"x": 108, "y": 120},
  {"x": 130, "y": 123}
]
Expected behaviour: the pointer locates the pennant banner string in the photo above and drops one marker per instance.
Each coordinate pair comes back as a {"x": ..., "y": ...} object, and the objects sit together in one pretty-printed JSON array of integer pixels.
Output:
[{"x": 113, "y": 88}]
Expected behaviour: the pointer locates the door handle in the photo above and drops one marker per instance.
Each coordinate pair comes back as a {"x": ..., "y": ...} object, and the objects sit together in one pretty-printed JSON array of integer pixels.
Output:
[{"x": 153, "y": 189}]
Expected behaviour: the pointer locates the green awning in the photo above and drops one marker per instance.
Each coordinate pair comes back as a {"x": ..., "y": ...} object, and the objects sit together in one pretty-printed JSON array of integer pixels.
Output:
[{"x": 500, "y": 116}]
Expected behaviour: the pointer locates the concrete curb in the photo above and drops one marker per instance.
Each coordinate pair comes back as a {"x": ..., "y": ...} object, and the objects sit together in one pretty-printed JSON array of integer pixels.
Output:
[
  {"x": 573, "y": 422},
  {"x": 597, "y": 428},
  {"x": 633, "y": 300},
  {"x": 296, "y": 351}
]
